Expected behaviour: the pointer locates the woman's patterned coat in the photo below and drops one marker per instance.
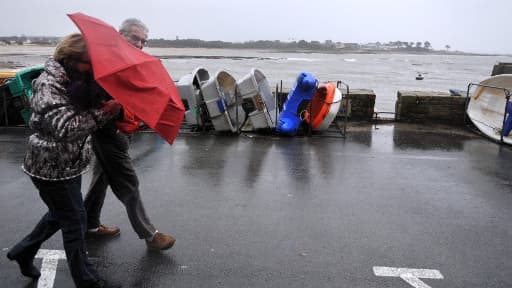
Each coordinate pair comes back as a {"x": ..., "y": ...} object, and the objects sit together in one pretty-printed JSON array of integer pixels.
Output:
[{"x": 59, "y": 147}]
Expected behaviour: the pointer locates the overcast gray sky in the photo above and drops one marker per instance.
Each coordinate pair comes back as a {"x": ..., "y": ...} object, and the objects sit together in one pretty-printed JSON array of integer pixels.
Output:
[{"x": 466, "y": 25}]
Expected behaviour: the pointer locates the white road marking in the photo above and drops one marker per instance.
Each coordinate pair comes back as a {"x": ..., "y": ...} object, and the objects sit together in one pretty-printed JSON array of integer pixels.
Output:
[
  {"x": 49, "y": 266},
  {"x": 409, "y": 275}
]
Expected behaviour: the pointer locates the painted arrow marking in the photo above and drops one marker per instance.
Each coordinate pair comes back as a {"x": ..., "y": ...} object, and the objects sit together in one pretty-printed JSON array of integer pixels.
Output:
[
  {"x": 49, "y": 266},
  {"x": 411, "y": 276}
]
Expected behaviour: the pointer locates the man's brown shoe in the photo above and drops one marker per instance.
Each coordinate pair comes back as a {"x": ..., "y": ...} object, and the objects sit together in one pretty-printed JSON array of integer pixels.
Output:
[
  {"x": 104, "y": 232},
  {"x": 161, "y": 241}
]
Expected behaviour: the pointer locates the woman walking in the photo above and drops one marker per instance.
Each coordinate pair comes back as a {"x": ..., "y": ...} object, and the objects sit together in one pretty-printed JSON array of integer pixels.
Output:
[{"x": 64, "y": 115}]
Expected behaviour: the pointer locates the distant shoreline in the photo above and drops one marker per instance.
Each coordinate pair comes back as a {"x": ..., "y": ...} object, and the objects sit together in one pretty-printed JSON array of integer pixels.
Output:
[
  {"x": 311, "y": 51},
  {"x": 378, "y": 51}
]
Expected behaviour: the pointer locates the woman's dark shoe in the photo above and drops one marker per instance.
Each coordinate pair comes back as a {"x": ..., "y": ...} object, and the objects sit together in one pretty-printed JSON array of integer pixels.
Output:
[{"x": 27, "y": 268}]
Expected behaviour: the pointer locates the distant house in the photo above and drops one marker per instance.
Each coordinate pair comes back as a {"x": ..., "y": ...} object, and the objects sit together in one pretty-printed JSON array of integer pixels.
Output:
[
  {"x": 390, "y": 46},
  {"x": 329, "y": 44},
  {"x": 371, "y": 46},
  {"x": 340, "y": 45}
]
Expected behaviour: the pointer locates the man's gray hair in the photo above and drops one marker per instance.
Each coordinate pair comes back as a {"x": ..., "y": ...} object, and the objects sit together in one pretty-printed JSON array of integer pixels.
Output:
[{"x": 128, "y": 23}]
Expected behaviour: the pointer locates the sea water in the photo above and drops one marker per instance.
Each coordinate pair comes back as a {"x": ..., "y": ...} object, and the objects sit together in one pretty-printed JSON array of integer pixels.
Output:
[{"x": 385, "y": 74}]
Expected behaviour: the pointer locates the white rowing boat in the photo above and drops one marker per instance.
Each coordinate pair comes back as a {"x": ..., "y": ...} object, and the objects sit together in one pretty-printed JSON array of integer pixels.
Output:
[{"x": 487, "y": 106}]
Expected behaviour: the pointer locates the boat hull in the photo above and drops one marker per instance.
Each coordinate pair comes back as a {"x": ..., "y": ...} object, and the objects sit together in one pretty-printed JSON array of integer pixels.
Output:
[
  {"x": 303, "y": 90},
  {"x": 486, "y": 107},
  {"x": 324, "y": 106},
  {"x": 189, "y": 87},
  {"x": 224, "y": 108},
  {"x": 258, "y": 101}
]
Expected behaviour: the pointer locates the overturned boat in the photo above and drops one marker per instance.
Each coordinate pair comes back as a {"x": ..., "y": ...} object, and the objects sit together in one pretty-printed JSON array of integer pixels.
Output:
[
  {"x": 189, "y": 87},
  {"x": 489, "y": 109},
  {"x": 258, "y": 102},
  {"x": 323, "y": 107},
  {"x": 290, "y": 118},
  {"x": 223, "y": 105}
]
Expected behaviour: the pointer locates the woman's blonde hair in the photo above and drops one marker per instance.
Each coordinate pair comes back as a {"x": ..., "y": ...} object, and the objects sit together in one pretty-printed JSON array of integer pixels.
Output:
[{"x": 70, "y": 50}]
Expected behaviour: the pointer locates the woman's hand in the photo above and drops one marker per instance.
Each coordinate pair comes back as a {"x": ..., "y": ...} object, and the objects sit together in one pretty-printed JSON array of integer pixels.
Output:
[{"x": 112, "y": 107}]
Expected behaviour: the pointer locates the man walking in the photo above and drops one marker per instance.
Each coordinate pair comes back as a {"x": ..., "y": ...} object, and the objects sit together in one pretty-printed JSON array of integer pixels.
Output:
[{"x": 114, "y": 167}]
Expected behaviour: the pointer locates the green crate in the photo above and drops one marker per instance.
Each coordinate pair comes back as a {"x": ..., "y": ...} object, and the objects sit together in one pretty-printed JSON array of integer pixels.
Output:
[
  {"x": 26, "y": 113},
  {"x": 21, "y": 84}
]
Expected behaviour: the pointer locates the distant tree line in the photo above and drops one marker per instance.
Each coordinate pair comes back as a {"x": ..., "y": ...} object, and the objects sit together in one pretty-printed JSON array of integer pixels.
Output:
[
  {"x": 294, "y": 45},
  {"x": 260, "y": 44}
]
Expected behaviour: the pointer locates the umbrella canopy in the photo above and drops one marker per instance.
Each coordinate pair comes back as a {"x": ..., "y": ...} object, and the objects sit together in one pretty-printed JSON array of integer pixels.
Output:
[{"x": 136, "y": 79}]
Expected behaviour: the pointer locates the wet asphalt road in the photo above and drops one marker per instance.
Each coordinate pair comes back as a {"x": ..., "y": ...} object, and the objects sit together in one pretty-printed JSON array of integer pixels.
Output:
[{"x": 261, "y": 211}]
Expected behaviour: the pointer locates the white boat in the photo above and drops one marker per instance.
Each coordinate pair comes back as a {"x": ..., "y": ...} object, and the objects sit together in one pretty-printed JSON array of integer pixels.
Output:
[
  {"x": 189, "y": 87},
  {"x": 224, "y": 107},
  {"x": 486, "y": 107},
  {"x": 258, "y": 101}
]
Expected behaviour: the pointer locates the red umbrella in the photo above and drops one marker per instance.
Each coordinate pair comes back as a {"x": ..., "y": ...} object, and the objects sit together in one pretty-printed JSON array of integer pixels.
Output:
[{"x": 136, "y": 79}]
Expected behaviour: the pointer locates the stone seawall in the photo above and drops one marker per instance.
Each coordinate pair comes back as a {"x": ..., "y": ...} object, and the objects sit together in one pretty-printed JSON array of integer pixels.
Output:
[
  {"x": 439, "y": 107},
  {"x": 361, "y": 103},
  {"x": 410, "y": 106}
]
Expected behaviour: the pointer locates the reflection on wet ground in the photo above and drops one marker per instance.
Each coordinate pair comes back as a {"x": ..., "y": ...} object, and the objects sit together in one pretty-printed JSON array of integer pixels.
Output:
[{"x": 429, "y": 138}]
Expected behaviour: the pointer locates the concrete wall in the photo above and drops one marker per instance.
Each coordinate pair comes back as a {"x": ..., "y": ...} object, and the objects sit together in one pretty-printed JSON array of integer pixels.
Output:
[
  {"x": 502, "y": 68},
  {"x": 420, "y": 106}
]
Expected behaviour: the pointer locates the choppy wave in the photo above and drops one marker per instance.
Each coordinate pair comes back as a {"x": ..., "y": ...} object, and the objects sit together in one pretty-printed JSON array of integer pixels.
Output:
[{"x": 300, "y": 59}]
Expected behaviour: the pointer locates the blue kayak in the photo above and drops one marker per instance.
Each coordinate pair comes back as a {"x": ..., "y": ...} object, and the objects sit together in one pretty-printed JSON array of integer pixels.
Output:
[{"x": 303, "y": 90}]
